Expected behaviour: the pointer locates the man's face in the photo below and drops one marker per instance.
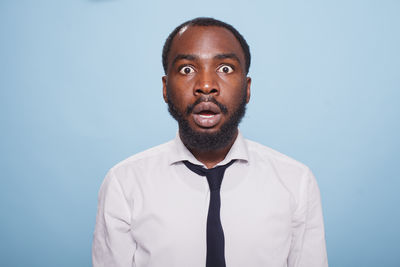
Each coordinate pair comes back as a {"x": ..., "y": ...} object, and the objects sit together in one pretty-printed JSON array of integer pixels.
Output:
[{"x": 206, "y": 86}]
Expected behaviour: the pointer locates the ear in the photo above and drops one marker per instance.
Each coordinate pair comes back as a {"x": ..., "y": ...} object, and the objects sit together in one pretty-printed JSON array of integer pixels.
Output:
[
  {"x": 164, "y": 82},
  {"x": 248, "y": 84}
]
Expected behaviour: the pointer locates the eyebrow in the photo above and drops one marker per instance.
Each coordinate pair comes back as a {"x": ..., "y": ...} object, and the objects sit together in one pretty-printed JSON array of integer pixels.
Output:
[
  {"x": 228, "y": 56},
  {"x": 183, "y": 56},
  {"x": 194, "y": 57}
]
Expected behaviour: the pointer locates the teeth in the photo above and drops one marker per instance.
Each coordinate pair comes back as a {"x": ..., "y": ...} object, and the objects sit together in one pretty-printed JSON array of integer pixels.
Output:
[{"x": 206, "y": 116}]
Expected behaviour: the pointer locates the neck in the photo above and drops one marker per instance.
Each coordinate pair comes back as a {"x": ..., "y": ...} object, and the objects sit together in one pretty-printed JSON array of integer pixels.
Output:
[{"x": 210, "y": 158}]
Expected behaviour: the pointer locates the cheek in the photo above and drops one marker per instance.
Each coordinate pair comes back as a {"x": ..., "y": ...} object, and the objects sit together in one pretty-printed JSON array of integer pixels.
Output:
[
  {"x": 179, "y": 85},
  {"x": 180, "y": 94},
  {"x": 233, "y": 90},
  {"x": 232, "y": 82}
]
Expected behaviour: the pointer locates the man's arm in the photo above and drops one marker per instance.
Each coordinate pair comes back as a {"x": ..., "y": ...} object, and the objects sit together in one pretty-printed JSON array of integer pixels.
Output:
[
  {"x": 308, "y": 245},
  {"x": 113, "y": 244}
]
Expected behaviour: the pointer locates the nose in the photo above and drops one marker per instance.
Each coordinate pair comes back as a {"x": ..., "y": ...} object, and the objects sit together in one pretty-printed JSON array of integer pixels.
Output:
[{"x": 206, "y": 84}]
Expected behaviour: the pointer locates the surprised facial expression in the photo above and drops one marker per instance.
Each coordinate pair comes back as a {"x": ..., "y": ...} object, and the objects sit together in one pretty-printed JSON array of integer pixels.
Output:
[{"x": 206, "y": 81}]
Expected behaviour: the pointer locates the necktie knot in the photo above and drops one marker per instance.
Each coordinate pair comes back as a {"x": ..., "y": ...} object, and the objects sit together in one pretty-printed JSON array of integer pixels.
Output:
[{"x": 214, "y": 175}]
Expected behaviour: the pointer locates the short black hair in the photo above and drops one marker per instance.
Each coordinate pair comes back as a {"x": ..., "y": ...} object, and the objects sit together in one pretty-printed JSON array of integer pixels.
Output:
[{"x": 205, "y": 21}]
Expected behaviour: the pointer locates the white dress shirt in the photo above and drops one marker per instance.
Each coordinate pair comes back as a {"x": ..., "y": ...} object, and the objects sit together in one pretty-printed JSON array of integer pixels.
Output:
[{"x": 152, "y": 211}]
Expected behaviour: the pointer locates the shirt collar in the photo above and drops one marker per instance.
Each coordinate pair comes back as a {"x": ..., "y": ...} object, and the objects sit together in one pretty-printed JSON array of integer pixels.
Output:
[{"x": 238, "y": 151}]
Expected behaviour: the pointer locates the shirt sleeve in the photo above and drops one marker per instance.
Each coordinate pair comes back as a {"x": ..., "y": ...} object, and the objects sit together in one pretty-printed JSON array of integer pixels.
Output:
[
  {"x": 113, "y": 244},
  {"x": 308, "y": 247}
]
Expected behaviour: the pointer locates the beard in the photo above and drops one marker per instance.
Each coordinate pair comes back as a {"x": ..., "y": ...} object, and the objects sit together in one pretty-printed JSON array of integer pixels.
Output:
[{"x": 200, "y": 141}]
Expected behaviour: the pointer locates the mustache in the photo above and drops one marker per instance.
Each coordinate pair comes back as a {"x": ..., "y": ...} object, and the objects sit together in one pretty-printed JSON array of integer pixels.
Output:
[{"x": 204, "y": 98}]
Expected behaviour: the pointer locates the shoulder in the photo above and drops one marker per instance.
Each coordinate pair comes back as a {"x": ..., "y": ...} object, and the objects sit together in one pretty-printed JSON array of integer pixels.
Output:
[
  {"x": 296, "y": 177},
  {"x": 128, "y": 173},
  {"x": 154, "y": 154},
  {"x": 262, "y": 152},
  {"x": 280, "y": 163}
]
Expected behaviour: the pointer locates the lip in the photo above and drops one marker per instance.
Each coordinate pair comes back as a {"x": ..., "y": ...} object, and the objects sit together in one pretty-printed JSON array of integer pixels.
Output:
[
  {"x": 206, "y": 106},
  {"x": 209, "y": 120}
]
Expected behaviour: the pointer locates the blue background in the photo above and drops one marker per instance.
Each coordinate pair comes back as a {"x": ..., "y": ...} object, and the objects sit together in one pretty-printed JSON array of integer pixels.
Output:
[{"x": 81, "y": 90}]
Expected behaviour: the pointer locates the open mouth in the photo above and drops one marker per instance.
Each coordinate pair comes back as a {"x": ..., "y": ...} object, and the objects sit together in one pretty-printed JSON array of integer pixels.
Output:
[{"x": 206, "y": 114}]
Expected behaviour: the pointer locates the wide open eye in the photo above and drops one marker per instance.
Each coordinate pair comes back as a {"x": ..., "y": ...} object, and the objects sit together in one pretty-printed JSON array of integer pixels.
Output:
[
  {"x": 186, "y": 70},
  {"x": 225, "y": 69}
]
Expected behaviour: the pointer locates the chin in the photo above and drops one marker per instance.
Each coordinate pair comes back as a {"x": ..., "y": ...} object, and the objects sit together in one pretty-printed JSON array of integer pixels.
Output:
[
  {"x": 206, "y": 139},
  {"x": 204, "y": 130}
]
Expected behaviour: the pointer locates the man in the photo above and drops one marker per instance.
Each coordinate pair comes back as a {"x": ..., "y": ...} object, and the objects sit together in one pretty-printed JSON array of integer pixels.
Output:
[{"x": 209, "y": 197}]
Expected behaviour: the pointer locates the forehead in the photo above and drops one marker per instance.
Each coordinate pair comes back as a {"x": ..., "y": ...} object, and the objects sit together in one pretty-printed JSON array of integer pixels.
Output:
[{"x": 205, "y": 41}]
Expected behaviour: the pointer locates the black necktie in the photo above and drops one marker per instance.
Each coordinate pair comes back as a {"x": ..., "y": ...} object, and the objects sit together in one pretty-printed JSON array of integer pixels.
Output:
[{"x": 215, "y": 233}]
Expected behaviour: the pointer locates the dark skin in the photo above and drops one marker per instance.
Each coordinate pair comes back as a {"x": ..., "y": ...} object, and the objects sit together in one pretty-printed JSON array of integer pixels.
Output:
[{"x": 206, "y": 61}]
